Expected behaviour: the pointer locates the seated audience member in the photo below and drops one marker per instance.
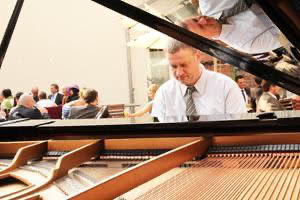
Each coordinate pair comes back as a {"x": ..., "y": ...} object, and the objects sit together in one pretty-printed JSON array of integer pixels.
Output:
[
  {"x": 8, "y": 100},
  {"x": 35, "y": 93},
  {"x": 44, "y": 102},
  {"x": 16, "y": 103},
  {"x": 268, "y": 101},
  {"x": 67, "y": 107},
  {"x": 89, "y": 110},
  {"x": 74, "y": 93},
  {"x": 66, "y": 93},
  {"x": 148, "y": 107},
  {"x": 55, "y": 96},
  {"x": 195, "y": 90},
  {"x": 26, "y": 109}
]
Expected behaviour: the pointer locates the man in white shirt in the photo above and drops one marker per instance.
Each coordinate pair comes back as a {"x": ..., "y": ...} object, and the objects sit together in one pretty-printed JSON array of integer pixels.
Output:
[
  {"x": 250, "y": 31},
  {"x": 240, "y": 80},
  {"x": 44, "y": 102},
  {"x": 213, "y": 93}
]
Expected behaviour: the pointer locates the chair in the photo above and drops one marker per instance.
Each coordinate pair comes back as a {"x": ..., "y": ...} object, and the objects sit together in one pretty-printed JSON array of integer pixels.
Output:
[{"x": 55, "y": 112}]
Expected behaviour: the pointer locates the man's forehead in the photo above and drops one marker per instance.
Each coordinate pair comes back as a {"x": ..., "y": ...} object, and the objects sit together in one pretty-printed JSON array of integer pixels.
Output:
[{"x": 182, "y": 53}]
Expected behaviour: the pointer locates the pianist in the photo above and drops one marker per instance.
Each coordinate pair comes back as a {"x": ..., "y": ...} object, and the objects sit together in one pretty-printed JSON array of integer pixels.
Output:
[{"x": 195, "y": 90}]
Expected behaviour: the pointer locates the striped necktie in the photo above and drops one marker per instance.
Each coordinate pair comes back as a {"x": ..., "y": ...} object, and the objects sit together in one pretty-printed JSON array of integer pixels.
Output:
[
  {"x": 190, "y": 106},
  {"x": 239, "y": 7}
]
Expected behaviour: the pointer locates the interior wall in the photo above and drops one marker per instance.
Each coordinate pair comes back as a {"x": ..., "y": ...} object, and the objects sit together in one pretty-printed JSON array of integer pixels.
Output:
[{"x": 66, "y": 42}]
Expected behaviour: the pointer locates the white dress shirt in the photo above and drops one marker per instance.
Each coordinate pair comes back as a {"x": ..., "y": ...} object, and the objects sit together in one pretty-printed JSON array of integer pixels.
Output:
[
  {"x": 216, "y": 94},
  {"x": 53, "y": 97},
  {"x": 246, "y": 96},
  {"x": 250, "y": 31},
  {"x": 45, "y": 103}
]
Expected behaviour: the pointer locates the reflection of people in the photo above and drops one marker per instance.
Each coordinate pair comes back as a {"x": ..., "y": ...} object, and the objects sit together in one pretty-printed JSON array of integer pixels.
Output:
[
  {"x": 148, "y": 107},
  {"x": 195, "y": 90},
  {"x": 268, "y": 101},
  {"x": 247, "y": 30}
]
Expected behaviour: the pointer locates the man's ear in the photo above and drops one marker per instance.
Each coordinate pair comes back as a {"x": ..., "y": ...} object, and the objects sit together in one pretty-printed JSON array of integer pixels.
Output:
[{"x": 198, "y": 55}]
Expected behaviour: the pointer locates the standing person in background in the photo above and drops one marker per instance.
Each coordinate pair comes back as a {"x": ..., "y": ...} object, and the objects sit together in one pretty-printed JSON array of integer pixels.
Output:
[
  {"x": 241, "y": 81},
  {"x": 55, "y": 96},
  {"x": 35, "y": 93},
  {"x": 148, "y": 107}
]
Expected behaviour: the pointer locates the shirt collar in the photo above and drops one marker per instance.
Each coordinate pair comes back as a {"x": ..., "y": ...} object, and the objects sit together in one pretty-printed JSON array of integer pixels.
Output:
[
  {"x": 272, "y": 95},
  {"x": 199, "y": 85}
]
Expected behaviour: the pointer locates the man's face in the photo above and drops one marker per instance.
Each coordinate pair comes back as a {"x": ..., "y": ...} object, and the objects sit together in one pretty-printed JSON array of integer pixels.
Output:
[
  {"x": 35, "y": 91},
  {"x": 185, "y": 65},
  {"x": 275, "y": 89},
  {"x": 53, "y": 90},
  {"x": 242, "y": 83}
]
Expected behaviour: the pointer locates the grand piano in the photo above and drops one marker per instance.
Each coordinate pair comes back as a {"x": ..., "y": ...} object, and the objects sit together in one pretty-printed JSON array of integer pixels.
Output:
[{"x": 249, "y": 156}]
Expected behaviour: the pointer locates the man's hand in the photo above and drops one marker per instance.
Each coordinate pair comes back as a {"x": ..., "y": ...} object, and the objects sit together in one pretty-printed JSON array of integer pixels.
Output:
[
  {"x": 205, "y": 26},
  {"x": 296, "y": 103}
]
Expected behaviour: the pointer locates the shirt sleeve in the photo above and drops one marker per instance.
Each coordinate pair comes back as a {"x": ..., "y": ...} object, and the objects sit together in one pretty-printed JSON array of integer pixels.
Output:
[
  {"x": 159, "y": 106},
  {"x": 234, "y": 100},
  {"x": 246, "y": 33}
]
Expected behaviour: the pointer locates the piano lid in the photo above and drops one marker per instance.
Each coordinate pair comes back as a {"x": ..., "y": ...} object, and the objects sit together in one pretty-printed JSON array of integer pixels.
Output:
[
  {"x": 283, "y": 14},
  {"x": 177, "y": 126}
]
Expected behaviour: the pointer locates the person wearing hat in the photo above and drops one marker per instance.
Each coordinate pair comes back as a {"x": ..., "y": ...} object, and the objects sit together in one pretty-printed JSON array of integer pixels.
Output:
[{"x": 74, "y": 93}]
